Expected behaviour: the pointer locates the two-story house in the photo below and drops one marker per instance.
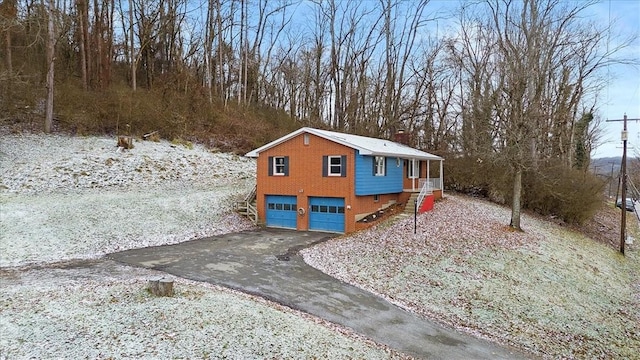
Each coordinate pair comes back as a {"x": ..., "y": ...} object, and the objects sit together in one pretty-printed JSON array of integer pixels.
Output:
[{"x": 322, "y": 180}]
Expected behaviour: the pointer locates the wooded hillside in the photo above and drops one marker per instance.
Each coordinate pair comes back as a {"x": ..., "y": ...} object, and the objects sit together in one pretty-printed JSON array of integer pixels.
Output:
[{"x": 509, "y": 85}]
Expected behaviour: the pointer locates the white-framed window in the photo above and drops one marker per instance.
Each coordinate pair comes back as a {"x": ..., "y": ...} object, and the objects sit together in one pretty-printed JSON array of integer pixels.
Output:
[
  {"x": 413, "y": 169},
  {"x": 305, "y": 139},
  {"x": 334, "y": 165},
  {"x": 376, "y": 198},
  {"x": 278, "y": 165},
  {"x": 380, "y": 168}
]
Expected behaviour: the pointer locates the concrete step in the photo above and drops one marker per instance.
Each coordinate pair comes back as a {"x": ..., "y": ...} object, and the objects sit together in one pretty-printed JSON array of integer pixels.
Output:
[{"x": 410, "y": 207}]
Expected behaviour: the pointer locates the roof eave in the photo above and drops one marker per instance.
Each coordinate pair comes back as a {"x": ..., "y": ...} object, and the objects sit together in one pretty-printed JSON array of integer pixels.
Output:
[
  {"x": 363, "y": 151},
  {"x": 405, "y": 156},
  {"x": 256, "y": 152}
]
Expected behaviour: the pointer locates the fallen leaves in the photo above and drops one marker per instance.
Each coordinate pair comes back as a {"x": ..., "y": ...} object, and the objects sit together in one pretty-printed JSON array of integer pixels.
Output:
[{"x": 535, "y": 289}]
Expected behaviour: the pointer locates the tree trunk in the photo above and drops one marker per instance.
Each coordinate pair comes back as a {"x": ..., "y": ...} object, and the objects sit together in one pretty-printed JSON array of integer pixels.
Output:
[
  {"x": 517, "y": 197},
  {"x": 132, "y": 52},
  {"x": 8, "y": 52},
  {"x": 8, "y": 9},
  {"x": 221, "y": 81},
  {"x": 48, "y": 119},
  {"x": 80, "y": 5}
]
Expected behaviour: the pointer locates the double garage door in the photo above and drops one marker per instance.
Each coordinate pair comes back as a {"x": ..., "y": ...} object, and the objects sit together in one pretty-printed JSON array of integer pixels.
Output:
[{"x": 325, "y": 214}]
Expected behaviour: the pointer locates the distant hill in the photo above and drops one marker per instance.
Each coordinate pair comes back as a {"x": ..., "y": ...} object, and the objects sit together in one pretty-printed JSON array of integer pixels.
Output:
[{"x": 608, "y": 166}]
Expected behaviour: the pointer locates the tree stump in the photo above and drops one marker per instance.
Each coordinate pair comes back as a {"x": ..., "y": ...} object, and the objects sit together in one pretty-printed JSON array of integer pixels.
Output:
[
  {"x": 125, "y": 142},
  {"x": 161, "y": 287}
]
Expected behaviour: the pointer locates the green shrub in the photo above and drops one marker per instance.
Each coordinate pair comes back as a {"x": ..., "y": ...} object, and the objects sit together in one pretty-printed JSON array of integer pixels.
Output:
[
  {"x": 552, "y": 189},
  {"x": 572, "y": 195}
]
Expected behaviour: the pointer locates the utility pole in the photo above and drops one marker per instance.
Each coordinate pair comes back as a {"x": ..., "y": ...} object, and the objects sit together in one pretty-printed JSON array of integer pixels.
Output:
[{"x": 623, "y": 207}]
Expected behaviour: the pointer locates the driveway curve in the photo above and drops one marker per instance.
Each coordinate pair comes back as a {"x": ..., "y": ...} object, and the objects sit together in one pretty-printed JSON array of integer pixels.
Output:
[{"x": 266, "y": 263}]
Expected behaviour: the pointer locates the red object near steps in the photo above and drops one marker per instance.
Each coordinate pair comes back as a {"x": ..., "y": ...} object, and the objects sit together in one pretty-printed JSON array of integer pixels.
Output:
[{"x": 427, "y": 204}]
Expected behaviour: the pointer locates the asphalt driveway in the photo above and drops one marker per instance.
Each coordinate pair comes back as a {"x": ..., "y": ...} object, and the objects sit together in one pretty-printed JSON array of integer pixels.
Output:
[{"x": 266, "y": 263}]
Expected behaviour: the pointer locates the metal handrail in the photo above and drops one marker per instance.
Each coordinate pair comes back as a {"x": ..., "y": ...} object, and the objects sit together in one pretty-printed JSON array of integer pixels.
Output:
[{"x": 424, "y": 191}]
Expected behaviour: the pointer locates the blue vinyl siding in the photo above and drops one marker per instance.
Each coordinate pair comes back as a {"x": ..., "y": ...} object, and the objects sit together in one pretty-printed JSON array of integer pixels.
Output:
[
  {"x": 281, "y": 211},
  {"x": 368, "y": 184}
]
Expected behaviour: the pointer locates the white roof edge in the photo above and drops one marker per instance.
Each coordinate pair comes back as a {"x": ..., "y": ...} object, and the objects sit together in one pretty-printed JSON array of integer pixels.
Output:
[
  {"x": 363, "y": 151},
  {"x": 428, "y": 156},
  {"x": 256, "y": 152}
]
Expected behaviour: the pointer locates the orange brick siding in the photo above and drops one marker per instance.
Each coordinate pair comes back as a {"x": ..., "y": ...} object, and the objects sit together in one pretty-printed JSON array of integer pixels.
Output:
[
  {"x": 305, "y": 176},
  {"x": 366, "y": 204}
]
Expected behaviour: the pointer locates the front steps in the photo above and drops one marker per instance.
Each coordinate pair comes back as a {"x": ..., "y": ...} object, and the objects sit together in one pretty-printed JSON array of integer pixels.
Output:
[
  {"x": 248, "y": 208},
  {"x": 410, "y": 207}
]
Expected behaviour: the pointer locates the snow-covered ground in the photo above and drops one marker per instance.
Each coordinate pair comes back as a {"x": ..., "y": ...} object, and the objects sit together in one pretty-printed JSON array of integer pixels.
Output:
[
  {"x": 80, "y": 197},
  {"x": 64, "y": 198},
  {"x": 549, "y": 290}
]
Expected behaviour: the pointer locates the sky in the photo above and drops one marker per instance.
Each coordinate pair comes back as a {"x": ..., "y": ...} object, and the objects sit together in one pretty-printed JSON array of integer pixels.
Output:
[{"x": 622, "y": 95}]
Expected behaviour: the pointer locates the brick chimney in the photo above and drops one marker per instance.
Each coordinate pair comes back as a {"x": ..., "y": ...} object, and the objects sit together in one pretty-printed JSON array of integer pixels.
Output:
[{"x": 401, "y": 137}]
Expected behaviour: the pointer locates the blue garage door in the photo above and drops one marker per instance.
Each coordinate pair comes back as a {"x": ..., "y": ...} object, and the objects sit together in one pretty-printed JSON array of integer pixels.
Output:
[
  {"x": 281, "y": 211},
  {"x": 327, "y": 214}
]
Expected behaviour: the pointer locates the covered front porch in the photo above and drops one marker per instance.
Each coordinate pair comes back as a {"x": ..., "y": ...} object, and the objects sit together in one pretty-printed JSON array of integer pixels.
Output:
[{"x": 424, "y": 176}]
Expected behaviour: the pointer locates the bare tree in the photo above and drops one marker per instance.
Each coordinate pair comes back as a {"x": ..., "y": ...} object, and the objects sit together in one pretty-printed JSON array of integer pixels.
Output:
[
  {"x": 537, "y": 58},
  {"x": 50, "y": 62},
  {"x": 133, "y": 59},
  {"x": 8, "y": 14}
]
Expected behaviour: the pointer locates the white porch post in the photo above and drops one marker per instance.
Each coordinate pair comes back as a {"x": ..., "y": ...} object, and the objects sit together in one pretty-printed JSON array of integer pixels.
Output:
[
  {"x": 413, "y": 174},
  {"x": 428, "y": 173},
  {"x": 441, "y": 180}
]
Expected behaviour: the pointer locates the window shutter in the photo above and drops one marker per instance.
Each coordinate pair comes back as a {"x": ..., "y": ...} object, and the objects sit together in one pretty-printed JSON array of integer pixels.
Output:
[
  {"x": 325, "y": 166},
  {"x": 343, "y": 166},
  {"x": 375, "y": 165},
  {"x": 419, "y": 168},
  {"x": 286, "y": 166},
  {"x": 270, "y": 165},
  {"x": 386, "y": 166}
]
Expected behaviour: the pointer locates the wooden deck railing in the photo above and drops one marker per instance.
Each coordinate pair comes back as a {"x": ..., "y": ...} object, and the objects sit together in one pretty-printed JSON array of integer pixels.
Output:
[{"x": 246, "y": 206}]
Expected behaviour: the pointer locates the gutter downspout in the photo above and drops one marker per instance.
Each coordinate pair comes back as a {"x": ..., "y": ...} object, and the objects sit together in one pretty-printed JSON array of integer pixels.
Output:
[{"x": 441, "y": 180}]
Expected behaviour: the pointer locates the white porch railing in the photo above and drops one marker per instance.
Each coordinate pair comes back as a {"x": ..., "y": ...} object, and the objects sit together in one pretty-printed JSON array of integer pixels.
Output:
[
  {"x": 424, "y": 191},
  {"x": 434, "y": 183}
]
